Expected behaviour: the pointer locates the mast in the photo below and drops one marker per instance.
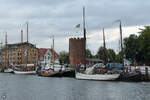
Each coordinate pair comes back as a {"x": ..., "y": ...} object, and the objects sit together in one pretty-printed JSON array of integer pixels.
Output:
[
  {"x": 84, "y": 33},
  {"x": 105, "y": 59},
  {"x": 53, "y": 53},
  {"x": 27, "y": 33},
  {"x": 27, "y": 42},
  {"x": 122, "y": 52},
  {"x": 121, "y": 36},
  {"x": 6, "y": 39},
  {"x": 104, "y": 39},
  {"x": 84, "y": 29},
  {"x": 5, "y": 50},
  {"x": 21, "y": 45}
]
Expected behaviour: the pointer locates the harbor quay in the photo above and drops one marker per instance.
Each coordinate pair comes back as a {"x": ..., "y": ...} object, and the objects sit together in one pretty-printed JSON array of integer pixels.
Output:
[{"x": 25, "y": 58}]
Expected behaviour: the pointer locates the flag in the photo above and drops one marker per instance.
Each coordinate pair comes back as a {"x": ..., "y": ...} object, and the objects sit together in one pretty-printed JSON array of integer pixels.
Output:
[{"x": 77, "y": 26}]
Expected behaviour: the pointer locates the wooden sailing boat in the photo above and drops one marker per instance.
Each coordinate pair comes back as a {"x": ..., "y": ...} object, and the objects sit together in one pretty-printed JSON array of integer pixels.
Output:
[
  {"x": 50, "y": 72},
  {"x": 7, "y": 68},
  {"x": 94, "y": 76},
  {"x": 25, "y": 70}
]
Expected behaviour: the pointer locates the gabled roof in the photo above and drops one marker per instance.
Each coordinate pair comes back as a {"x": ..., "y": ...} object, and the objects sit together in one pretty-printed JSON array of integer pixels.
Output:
[{"x": 42, "y": 51}]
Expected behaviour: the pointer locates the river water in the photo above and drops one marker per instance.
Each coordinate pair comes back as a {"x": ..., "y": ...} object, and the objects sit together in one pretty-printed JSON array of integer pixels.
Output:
[{"x": 32, "y": 87}]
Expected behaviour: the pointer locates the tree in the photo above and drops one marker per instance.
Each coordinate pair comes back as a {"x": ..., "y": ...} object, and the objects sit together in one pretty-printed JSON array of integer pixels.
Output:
[
  {"x": 106, "y": 55},
  {"x": 118, "y": 58},
  {"x": 131, "y": 47},
  {"x": 138, "y": 47},
  {"x": 64, "y": 57},
  {"x": 111, "y": 55},
  {"x": 88, "y": 53},
  {"x": 100, "y": 54},
  {"x": 144, "y": 41}
]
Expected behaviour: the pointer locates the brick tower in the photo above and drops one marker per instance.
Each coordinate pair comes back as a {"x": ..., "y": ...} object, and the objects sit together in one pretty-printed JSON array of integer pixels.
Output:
[{"x": 76, "y": 51}]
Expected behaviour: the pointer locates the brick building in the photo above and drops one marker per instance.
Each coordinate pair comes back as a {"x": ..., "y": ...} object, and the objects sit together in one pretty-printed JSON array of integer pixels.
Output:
[
  {"x": 76, "y": 51},
  {"x": 19, "y": 53}
]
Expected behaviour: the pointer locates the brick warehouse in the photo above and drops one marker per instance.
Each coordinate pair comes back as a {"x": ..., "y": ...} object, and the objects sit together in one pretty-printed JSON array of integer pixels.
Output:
[
  {"x": 19, "y": 53},
  {"x": 76, "y": 51}
]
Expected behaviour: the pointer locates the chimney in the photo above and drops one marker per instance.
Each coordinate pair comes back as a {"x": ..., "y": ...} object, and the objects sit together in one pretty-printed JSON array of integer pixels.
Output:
[
  {"x": 27, "y": 33},
  {"x": 6, "y": 38}
]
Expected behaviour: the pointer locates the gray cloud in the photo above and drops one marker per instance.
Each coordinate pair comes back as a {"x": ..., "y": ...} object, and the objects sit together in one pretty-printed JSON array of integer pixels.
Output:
[{"x": 58, "y": 17}]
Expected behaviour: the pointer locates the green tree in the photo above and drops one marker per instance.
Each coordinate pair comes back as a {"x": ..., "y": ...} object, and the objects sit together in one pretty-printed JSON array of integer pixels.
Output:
[
  {"x": 100, "y": 54},
  {"x": 106, "y": 55},
  {"x": 138, "y": 47},
  {"x": 64, "y": 57},
  {"x": 144, "y": 50},
  {"x": 111, "y": 55},
  {"x": 118, "y": 57},
  {"x": 131, "y": 47},
  {"x": 88, "y": 53}
]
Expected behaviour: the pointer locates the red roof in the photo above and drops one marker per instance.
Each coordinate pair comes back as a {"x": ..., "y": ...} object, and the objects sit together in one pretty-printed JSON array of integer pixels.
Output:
[{"x": 42, "y": 52}]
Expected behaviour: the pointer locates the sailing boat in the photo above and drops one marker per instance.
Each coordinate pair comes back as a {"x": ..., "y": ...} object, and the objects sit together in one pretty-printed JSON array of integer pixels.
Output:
[
  {"x": 9, "y": 68},
  {"x": 25, "y": 68},
  {"x": 90, "y": 75},
  {"x": 49, "y": 70}
]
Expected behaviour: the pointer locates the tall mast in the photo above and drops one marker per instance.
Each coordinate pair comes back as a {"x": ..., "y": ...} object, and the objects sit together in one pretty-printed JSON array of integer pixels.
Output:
[
  {"x": 27, "y": 33},
  {"x": 122, "y": 52},
  {"x": 104, "y": 39},
  {"x": 121, "y": 36},
  {"x": 53, "y": 49},
  {"x": 105, "y": 59},
  {"x": 84, "y": 29},
  {"x": 84, "y": 33},
  {"x": 5, "y": 62},
  {"x": 53, "y": 53},
  {"x": 21, "y": 45}
]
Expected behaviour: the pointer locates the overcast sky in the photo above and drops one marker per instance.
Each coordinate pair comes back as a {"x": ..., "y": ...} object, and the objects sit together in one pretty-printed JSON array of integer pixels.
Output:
[{"x": 59, "y": 17}]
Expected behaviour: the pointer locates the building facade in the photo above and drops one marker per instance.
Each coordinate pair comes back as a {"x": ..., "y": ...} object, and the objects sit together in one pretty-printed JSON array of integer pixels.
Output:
[
  {"x": 19, "y": 53},
  {"x": 47, "y": 56}
]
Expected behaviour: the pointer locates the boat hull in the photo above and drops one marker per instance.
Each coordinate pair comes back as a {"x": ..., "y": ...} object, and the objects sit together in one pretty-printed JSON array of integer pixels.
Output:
[
  {"x": 25, "y": 72},
  {"x": 8, "y": 70},
  {"x": 98, "y": 77}
]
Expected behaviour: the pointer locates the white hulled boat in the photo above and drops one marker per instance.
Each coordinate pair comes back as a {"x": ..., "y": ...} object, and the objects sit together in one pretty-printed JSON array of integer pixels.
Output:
[
  {"x": 89, "y": 74},
  {"x": 29, "y": 69},
  {"x": 8, "y": 70},
  {"x": 99, "y": 77},
  {"x": 24, "y": 72}
]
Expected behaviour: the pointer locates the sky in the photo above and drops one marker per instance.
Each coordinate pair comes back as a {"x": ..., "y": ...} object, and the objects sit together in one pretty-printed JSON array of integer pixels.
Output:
[{"x": 59, "y": 18}]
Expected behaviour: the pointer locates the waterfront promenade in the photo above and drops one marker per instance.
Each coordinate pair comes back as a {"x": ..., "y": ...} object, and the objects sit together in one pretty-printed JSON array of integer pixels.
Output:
[{"x": 32, "y": 87}]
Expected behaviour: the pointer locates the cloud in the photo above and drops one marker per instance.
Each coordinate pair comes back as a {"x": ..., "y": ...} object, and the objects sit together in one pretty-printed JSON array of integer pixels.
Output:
[{"x": 58, "y": 17}]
